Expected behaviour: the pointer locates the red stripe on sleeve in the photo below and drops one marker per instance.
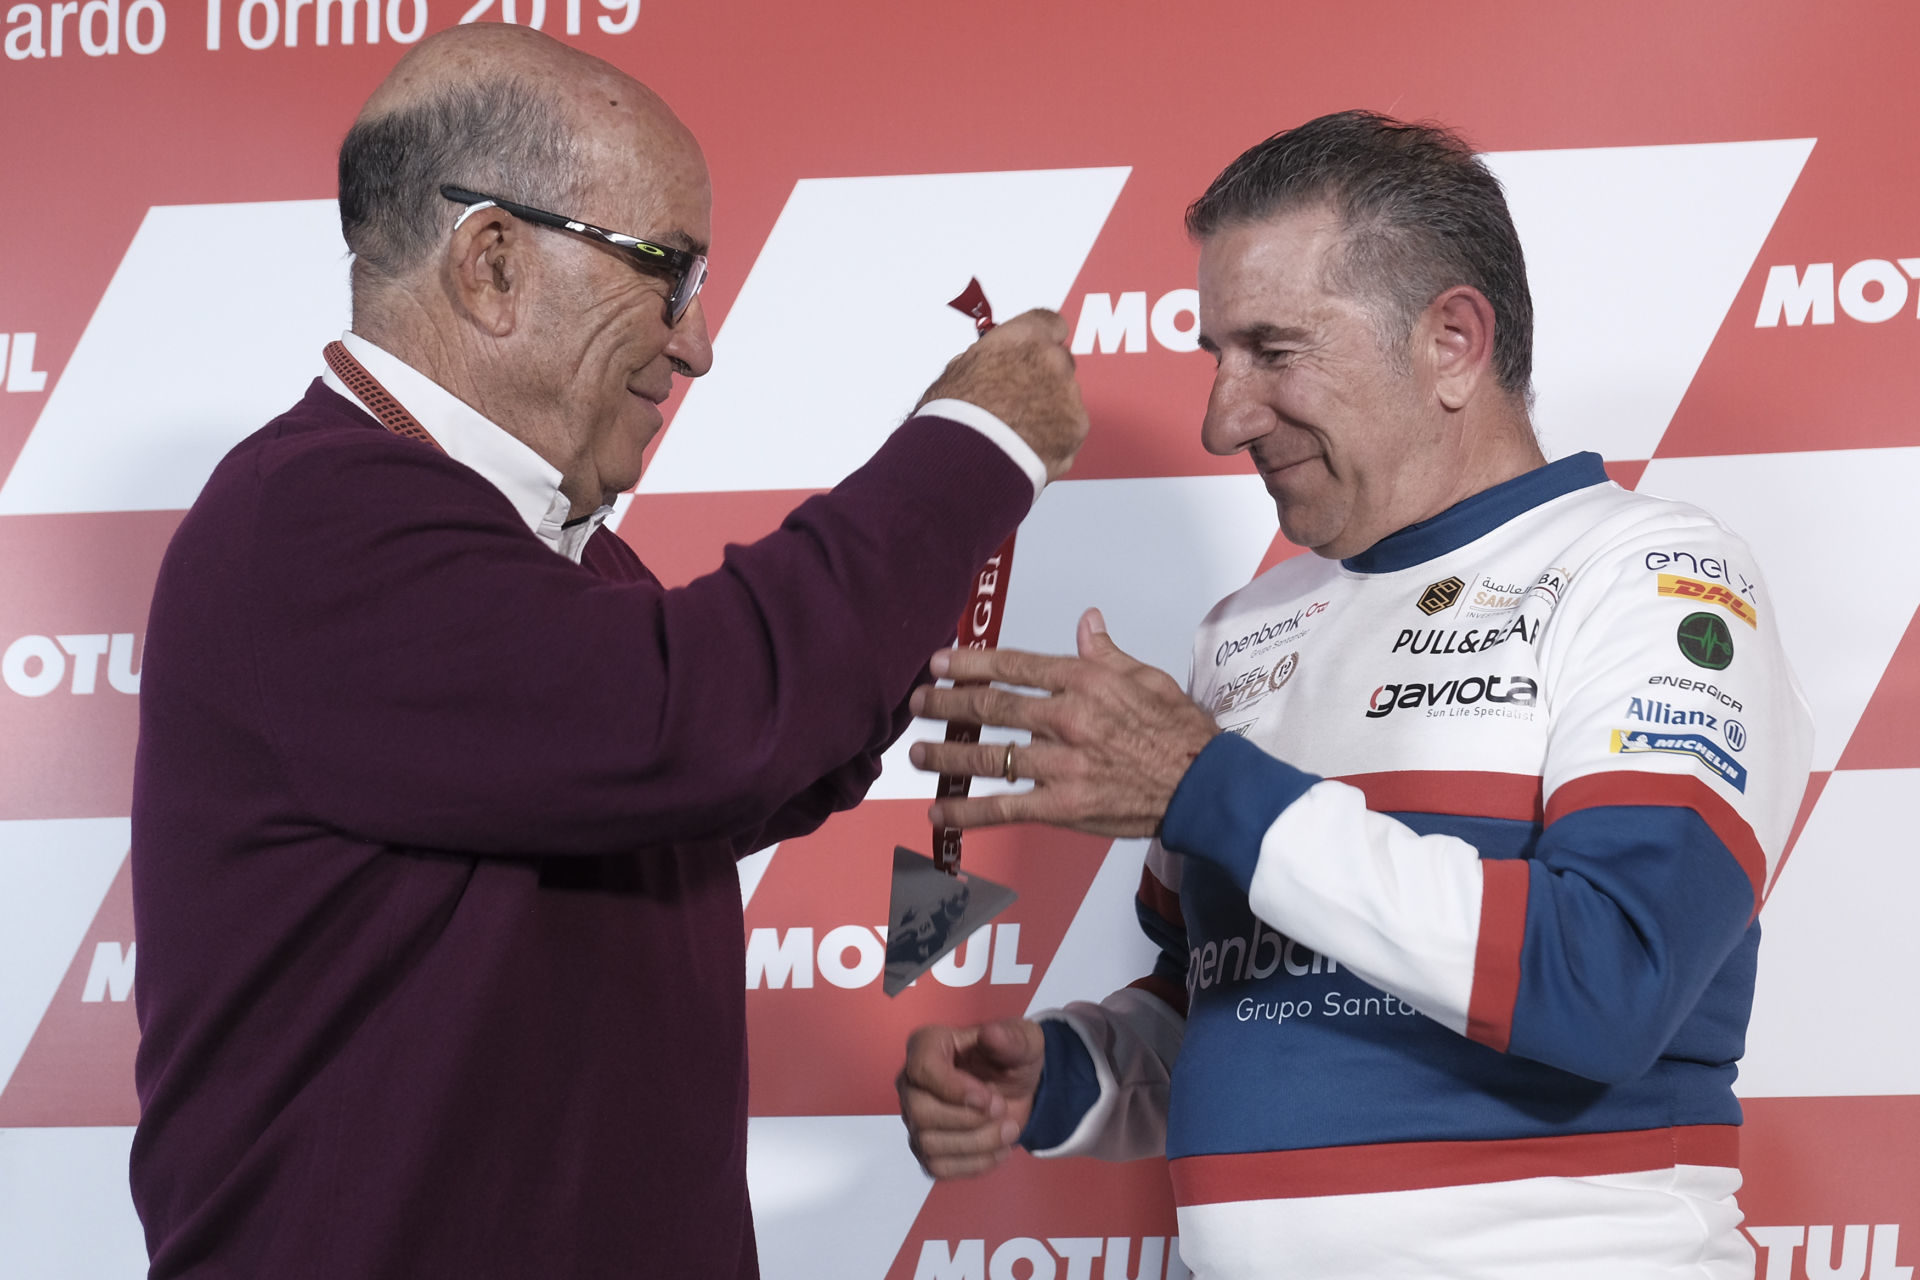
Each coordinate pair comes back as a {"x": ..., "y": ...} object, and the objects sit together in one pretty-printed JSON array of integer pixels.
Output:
[
  {"x": 1163, "y": 901},
  {"x": 1680, "y": 791},
  {"x": 1463, "y": 793},
  {"x": 1496, "y": 956}
]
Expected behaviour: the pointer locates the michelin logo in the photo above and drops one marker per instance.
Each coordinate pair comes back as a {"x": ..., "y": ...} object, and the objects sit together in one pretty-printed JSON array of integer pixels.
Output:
[{"x": 1633, "y": 741}]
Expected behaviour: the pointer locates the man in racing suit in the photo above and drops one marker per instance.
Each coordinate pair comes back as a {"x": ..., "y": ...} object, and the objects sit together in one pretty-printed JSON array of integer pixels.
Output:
[{"x": 1463, "y": 824}]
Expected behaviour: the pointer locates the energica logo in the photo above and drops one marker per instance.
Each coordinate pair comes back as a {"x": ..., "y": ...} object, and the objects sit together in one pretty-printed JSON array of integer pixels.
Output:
[{"x": 1705, "y": 641}]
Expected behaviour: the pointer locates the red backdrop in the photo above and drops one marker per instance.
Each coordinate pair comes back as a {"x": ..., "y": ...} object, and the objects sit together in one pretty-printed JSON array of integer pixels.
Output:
[{"x": 1716, "y": 201}]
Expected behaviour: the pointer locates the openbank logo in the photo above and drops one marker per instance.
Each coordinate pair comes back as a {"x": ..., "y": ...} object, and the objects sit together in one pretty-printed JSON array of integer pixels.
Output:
[
  {"x": 35, "y": 666},
  {"x": 853, "y": 955},
  {"x": 1865, "y": 1252},
  {"x": 1119, "y": 1258}
]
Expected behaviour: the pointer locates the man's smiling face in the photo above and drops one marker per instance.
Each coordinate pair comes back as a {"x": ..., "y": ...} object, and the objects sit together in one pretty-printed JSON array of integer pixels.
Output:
[
  {"x": 610, "y": 341},
  {"x": 1341, "y": 431}
]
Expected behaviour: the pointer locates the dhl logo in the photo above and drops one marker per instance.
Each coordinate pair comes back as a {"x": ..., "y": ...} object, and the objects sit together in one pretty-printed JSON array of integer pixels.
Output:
[{"x": 1672, "y": 584}]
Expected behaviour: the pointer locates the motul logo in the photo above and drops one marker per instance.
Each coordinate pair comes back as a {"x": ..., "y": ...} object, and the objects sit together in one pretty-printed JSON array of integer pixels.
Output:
[
  {"x": 35, "y": 666},
  {"x": 1107, "y": 325},
  {"x": 1069, "y": 1258},
  {"x": 854, "y": 954},
  {"x": 1872, "y": 290},
  {"x": 110, "y": 976},
  {"x": 1862, "y": 1253},
  {"x": 16, "y": 350}
]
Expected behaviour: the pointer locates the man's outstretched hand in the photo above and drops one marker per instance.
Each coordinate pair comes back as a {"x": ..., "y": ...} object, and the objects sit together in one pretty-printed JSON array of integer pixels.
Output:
[
  {"x": 1112, "y": 737},
  {"x": 966, "y": 1093}
]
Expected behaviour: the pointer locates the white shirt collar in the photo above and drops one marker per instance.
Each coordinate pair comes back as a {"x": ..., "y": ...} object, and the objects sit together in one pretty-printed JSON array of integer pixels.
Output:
[{"x": 527, "y": 480}]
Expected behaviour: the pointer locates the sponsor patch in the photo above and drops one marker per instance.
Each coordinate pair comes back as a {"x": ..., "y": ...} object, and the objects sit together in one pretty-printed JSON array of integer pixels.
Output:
[
  {"x": 1441, "y": 641},
  {"x": 1521, "y": 691},
  {"x": 1709, "y": 567},
  {"x": 1672, "y": 584},
  {"x": 1705, "y": 641},
  {"x": 1249, "y": 687},
  {"x": 1705, "y": 750},
  {"x": 1441, "y": 595},
  {"x": 1654, "y": 711},
  {"x": 1269, "y": 633},
  {"x": 1688, "y": 683},
  {"x": 1550, "y": 585}
]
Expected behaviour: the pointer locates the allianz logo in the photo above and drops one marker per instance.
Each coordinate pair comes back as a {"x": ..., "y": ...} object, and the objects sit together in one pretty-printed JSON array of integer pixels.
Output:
[
  {"x": 853, "y": 955},
  {"x": 1255, "y": 955},
  {"x": 35, "y": 666},
  {"x": 1119, "y": 1258}
]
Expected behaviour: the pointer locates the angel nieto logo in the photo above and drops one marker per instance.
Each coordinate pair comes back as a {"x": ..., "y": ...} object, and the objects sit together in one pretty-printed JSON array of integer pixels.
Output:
[
  {"x": 34, "y": 666},
  {"x": 1870, "y": 291},
  {"x": 1858, "y": 1252},
  {"x": 1120, "y": 1258},
  {"x": 854, "y": 955}
]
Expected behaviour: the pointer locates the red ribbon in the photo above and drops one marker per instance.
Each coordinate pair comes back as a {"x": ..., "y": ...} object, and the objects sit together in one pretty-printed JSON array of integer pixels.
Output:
[{"x": 979, "y": 626}]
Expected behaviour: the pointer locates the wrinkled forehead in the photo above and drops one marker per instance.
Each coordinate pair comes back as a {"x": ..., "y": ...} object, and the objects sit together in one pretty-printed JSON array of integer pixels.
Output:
[
  {"x": 1276, "y": 270},
  {"x": 644, "y": 169}
]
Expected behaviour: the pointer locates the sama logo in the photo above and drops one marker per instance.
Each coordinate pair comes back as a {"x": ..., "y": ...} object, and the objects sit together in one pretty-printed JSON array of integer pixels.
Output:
[
  {"x": 1441, "y": 595},
  {"x": 1705, "y": 641},
  {"x": 1705, "y": 750}
]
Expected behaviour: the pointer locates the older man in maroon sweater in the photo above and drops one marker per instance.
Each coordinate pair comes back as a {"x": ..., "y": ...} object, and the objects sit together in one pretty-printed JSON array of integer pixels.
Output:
[{"x": 439, "y": 792}]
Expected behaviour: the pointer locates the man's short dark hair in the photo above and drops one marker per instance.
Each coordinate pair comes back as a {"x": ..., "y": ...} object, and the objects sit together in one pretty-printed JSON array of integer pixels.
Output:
[
  {"x": 1420, "y": 211},
  {"x": 504, "y": 138}
]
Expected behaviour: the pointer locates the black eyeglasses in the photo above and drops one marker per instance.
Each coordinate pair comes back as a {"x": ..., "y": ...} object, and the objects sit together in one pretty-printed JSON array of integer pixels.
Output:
[{"x": 687, "y": 270}]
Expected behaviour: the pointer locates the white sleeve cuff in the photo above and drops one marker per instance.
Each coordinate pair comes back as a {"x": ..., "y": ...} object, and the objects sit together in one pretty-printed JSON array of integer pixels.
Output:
[{"x": 990, "y": 426}]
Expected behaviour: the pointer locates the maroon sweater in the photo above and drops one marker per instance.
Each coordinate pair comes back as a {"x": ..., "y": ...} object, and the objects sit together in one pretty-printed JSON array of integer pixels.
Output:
[{"x": 441, "y": 959}]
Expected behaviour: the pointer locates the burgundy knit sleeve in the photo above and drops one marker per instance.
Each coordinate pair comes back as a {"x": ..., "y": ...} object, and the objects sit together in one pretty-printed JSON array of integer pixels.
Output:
[{"x": 436, "y": 677}]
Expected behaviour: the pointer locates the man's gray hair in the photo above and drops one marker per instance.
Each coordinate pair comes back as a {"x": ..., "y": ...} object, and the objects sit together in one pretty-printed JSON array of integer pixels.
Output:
[
  {"x": 503, "y": 138},
  {"x": 1420, "y": 213}
]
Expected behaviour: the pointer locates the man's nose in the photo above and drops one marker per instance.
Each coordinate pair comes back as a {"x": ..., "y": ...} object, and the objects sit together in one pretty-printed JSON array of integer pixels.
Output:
[
  {"x": 689, "y": 344},
  {"x": 1234, "y": 418}
]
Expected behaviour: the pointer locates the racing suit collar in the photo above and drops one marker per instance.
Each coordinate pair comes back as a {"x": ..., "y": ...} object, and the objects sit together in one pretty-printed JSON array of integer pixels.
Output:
[{"x": 1479, "y": 515}]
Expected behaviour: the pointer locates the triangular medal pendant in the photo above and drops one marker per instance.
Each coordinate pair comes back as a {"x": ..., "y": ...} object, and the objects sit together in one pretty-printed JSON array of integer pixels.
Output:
[{"x": 931, "y": 913}]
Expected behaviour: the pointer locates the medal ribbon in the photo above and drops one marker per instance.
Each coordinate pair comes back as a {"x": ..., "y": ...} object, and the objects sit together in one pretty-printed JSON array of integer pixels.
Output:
[
  {"x": 979, "y": 626},
  {"x": 377, "y": 399}
]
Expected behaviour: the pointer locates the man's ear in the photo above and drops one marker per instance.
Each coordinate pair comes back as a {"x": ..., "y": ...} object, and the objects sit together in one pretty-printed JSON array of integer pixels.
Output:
[
  {"x": 1457, "y": 329},
  {"x": 484, "y": 271}
]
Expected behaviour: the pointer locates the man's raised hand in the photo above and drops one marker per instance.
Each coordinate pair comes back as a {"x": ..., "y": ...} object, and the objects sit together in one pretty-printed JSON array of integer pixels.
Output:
[
  {"x": 1021, "y": 373},
  {"x": 1112, "y": 736}
]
